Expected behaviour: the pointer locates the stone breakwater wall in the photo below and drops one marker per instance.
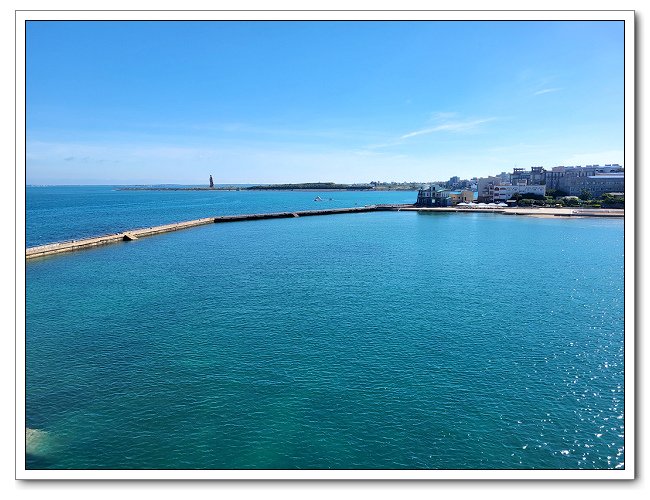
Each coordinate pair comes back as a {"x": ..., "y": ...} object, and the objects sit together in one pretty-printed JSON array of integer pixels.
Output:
[
  {"x": 74, "y": 245},
  {"x": 71, "y": 246}
]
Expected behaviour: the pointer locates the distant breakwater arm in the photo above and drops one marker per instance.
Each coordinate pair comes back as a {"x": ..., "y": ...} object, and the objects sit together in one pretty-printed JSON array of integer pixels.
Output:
[
  {"x": 307, "y": 186},
  {"x": 71, "y": 246},
  {"x": 154, "y": 188},
  {"x": 312, "y": 186}
]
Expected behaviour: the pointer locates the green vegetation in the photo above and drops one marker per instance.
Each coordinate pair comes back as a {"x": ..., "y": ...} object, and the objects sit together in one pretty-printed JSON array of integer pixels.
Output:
[
  {"x": 585, "y": 199},
  {"x": 609, "y": 200},
  {"x": 528, "y": 202},
  {"x": 528, "y": 196},
  {"x": 529, "y": 199},
  {"x": 556, "y": 193},
  {"x": 585, "y": 195},
  {"x": 571, "y": 201}
]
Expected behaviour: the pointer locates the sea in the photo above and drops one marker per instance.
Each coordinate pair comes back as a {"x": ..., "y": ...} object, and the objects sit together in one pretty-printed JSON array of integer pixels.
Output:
[{"x": 381, "y": 340}]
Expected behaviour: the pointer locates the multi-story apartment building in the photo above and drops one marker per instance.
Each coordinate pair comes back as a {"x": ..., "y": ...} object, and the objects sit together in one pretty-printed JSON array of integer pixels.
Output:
[
  {"x": 533, "y": 176},
  {"x": 596, "y": 185},
  {"x": 505, "y": 192},
  {"x": 574, "y": 181},
  {"x": 453, "y": 182},
  {"x": 486, "y": 188},
  {"x": 594, "y": 178}
]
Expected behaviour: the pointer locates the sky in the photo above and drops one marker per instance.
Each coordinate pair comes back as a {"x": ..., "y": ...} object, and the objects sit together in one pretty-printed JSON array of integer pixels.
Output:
[{"x": 248, "y": 102}]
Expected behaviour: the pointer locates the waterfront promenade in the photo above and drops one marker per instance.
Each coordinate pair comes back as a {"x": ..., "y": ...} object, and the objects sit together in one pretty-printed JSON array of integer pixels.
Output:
[
  {"x": 529, "y": 211},
  {"x": 86, "y": 243}
]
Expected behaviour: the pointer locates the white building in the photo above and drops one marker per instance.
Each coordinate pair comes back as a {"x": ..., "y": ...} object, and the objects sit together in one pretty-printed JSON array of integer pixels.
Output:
[{"x": 505, "y": 192}]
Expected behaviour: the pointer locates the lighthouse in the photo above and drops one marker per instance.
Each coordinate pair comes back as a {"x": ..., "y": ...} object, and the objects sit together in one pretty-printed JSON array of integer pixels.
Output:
[{"x": 211, "y": 182}]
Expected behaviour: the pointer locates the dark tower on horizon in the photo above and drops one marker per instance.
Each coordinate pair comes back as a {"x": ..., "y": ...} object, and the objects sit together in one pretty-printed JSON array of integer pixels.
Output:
[{"x": 211, "y": 182}]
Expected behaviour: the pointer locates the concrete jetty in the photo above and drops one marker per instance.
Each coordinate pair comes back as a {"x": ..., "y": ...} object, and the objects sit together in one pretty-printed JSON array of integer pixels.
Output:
[
  {"x": 134, "y": 234},
  {"x": 72, "y": 245}
]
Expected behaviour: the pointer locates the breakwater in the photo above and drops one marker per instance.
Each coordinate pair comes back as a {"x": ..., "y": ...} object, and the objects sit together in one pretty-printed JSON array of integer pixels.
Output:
[{"x": 82, "y": 244}]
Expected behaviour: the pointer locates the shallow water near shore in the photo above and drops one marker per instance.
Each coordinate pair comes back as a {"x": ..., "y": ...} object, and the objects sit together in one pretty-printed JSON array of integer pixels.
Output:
[{"x": 379, "y": 340}]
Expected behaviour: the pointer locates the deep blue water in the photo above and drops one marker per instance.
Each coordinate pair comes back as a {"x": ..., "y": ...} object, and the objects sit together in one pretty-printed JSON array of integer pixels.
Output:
[{"x": 378, "y": 340}]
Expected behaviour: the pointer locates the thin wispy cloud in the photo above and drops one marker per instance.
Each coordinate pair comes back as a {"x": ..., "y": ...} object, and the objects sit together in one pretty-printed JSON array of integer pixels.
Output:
[
  {"x": 449, "y": 126},
  {"x": 443, "y": 115},
  {"x": 386, "y": 144},
  {"x": 547, "y": 91},
  {"x": 440, "y": 122}
]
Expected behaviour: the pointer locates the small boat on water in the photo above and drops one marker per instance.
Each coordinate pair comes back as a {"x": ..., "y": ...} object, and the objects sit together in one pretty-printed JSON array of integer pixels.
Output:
[{"x": 318, "y": 198}]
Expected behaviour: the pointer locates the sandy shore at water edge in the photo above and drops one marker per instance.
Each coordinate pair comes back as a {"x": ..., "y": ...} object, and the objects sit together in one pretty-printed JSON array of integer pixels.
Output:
[{"x": 542, "y": 212}]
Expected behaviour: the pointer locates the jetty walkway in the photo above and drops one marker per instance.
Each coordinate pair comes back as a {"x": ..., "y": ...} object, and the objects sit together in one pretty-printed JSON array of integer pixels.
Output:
[{"x": 73, "y": 245}]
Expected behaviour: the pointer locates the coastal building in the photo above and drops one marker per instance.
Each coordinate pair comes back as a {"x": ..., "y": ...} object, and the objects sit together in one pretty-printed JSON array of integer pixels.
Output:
[
  {"x": 573, "y": 180},
  {"x": 485, "y": 188},
  {"x": 594, "y": 178},
  {"x": 456, "y": 183},
  {"x": 536, "y": 175},
  {"x": 433, "y": 196},
  {"x": 453, "y": 182},
  {"x": 504, "y": 192},
  {"x": 596, "y": 185},
  {"x": 462, "y": 196},
  {"x": 504, "y": 176}
]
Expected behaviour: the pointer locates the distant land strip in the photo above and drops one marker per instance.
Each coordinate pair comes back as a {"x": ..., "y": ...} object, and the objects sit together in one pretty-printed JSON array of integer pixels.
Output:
[
  {"x": 82, "y": 244},
  {"x": 304, "y": 186}
]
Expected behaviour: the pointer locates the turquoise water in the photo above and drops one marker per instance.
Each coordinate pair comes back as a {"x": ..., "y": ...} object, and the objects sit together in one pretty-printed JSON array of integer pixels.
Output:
[
  {"x": 58, "y": 213},
  {"x": 380, "y": 340}
]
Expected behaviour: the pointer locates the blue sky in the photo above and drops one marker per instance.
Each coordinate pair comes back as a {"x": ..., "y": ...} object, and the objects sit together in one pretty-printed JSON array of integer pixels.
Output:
[{"x": 264, "y": 102}]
